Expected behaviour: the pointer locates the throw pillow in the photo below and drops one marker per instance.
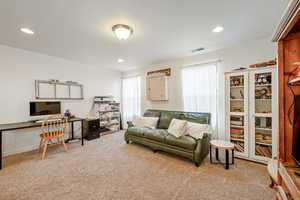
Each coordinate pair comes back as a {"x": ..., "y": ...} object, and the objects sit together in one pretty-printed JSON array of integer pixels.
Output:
[
  {"x": 147, "y": 122},
  {"x": 197, "y": 130},
  {"x": 177, "y": 127}
]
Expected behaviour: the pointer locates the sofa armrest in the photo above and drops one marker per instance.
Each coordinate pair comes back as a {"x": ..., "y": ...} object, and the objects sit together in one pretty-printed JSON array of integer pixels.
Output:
[
  {"x": 202, "y": 148},
  {"x": 130, "y": 124}
]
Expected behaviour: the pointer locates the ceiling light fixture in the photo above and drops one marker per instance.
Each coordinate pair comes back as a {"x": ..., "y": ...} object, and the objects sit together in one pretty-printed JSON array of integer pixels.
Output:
[
  {"x": 120, "y": 60},
  {"x": 218, "y": 29},
  {"x": 122, "y": 31},
  {"x": 27, "y": 31}
]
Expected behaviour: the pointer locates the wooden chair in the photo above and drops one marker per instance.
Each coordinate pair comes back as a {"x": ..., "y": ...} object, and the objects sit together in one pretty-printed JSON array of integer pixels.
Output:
[{"x": 53, "y": 127}]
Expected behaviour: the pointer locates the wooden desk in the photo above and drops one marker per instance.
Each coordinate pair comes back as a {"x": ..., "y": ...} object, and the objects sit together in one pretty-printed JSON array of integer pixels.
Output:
[{"x": 24, "y": 125}]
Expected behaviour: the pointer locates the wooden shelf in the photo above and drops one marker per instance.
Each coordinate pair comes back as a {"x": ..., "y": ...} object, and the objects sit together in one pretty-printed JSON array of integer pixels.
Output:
[
  {"x": 109, "y": 111},
  {"x": 236, "y": 126},
  {"x": 263, "y": 129},
  {"x": 264, "y": 144},
  {"x": 263, "y": 85},
  {"x": 262, "y": 99},
  {"x": 263, "y": 114},
  {"x": 104, "y": 102},
  {"x": 237, "y": 113},
  {"x": 237, "y": 140},
  {"x": 237, "y": 86}
]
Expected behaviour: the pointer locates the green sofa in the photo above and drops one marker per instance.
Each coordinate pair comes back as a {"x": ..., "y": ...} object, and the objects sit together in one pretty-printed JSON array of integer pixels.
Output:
[{"x": 159, "y": 139}]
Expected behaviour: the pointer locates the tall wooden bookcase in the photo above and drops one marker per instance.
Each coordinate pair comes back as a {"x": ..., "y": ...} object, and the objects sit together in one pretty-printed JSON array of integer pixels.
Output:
[
  {"x": 287, "y": 36},
  {"x": 251, "y": 117}
]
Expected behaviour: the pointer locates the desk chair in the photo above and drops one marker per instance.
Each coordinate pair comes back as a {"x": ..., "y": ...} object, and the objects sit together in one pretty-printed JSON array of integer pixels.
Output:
[{"x": 53, "y": 127}]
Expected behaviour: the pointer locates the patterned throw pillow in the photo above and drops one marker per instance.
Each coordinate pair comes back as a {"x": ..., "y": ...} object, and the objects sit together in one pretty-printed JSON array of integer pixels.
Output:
[
  {"x": 197, "y": 130},
  {"x": 147, "y": 122},
  {"x": 177, "y": 127}
]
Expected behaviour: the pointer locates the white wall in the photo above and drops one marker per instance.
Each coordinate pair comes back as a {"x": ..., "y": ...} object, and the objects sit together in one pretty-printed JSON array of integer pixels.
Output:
[
  {"x": 19, "y": 69},
  {"x": 241, "y": 55}
]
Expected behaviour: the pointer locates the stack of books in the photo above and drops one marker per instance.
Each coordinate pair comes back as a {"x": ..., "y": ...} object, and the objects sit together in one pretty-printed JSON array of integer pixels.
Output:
[
  {"x": 236, "y": 120},
  {"x": 263, "y": 151}
]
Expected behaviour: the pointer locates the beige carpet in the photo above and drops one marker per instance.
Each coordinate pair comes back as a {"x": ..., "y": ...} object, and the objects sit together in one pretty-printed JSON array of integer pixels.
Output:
[{"x": 107, "y": 168}]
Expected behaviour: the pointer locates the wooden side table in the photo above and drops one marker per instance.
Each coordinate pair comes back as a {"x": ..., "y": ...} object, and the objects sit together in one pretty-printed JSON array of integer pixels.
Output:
[{"x": 223, "y": 145}]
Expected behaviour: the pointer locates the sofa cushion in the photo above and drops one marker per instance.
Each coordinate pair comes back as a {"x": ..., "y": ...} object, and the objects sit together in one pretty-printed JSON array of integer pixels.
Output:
[
  {"x": 138, "y": 131},
  {"x": 201, "y": 118},
  {"x": 166, "y": 118},
  {"x": 151, "y": 113},
  {"x": 147, "y": 122},
  {"x": 156, "y": 134},
  {"x": 185, "y": 142}
]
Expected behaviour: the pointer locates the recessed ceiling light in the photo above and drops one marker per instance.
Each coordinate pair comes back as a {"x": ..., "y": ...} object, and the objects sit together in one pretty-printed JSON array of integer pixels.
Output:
[
  {"x": 120, "y": 60},
  {"x": 218, "y": 29},
  {"x": 122, "y": 31},
  {"x": 27, "y": 31}
]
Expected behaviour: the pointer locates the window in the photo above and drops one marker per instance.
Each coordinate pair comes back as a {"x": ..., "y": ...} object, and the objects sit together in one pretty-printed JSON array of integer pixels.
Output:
[
  {"x": 199, "y": 89},
  {"x": 131, "y": 98}
]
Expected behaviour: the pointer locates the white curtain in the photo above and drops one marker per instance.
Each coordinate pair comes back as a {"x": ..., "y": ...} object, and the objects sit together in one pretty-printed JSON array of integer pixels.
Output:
[
  {"x": 199, "y": 85},
  {"x": 131, "y": 98}
]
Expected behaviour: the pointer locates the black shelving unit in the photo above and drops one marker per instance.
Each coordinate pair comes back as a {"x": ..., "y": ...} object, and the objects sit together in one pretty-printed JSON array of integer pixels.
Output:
[{"x": 109, "y": 114}]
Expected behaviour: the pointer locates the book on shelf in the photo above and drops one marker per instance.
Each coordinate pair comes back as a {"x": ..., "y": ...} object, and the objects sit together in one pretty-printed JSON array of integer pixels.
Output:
[
  {"x": 236, "y": 118},
  {"x": 241, "y": 132},
  {"x": 264, "y": 141},
  {"x": 263, "y": 151},
  {"x": 268, "y": 137},
  {"x": 239, "y": 146},
  {"x": 237, "y": 123},
  {"x": 237, "y": 136},
  {"x": 109, "y": 113},
  {"x": 233, "y": 130}
]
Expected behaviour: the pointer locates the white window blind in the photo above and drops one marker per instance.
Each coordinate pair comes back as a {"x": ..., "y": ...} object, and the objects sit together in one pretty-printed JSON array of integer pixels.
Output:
[
  {"x": 199, "y": 85},
  {"x": 131, "y": 98}
]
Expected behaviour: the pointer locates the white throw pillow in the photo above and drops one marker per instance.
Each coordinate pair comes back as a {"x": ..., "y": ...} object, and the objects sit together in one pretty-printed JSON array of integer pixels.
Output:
[
  {"x": 137, "y": 121},
  {"x": 147, "y": 122},
  {"x": 197, "y": 130},
  {"x": 177, "y": 127}
]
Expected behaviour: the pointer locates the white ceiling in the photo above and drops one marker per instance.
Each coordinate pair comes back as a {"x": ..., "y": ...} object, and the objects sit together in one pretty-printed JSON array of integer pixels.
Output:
[{"x": 80, "y": 30}]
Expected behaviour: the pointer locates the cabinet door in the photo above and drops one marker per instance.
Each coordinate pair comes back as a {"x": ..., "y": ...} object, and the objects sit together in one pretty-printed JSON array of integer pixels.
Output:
[
  {"x": 154, "y": 88},
  {"x": 263, "y": 107},
  {"x": 237, "y": 109},
  {"x": 157, "y": 88}
]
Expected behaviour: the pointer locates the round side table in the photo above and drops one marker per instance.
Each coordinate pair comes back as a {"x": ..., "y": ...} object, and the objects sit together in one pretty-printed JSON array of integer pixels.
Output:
[{"x": 223, "y": 145}]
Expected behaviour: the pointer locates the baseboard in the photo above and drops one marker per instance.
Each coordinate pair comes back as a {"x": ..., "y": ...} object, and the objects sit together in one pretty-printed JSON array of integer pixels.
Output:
[
  {"x": 20, "y": 150},
  {"x": 251, "y": 159}
]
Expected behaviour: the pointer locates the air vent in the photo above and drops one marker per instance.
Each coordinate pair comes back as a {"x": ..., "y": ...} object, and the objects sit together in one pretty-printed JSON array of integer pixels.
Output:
[{"x": 198, "y": 50}]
